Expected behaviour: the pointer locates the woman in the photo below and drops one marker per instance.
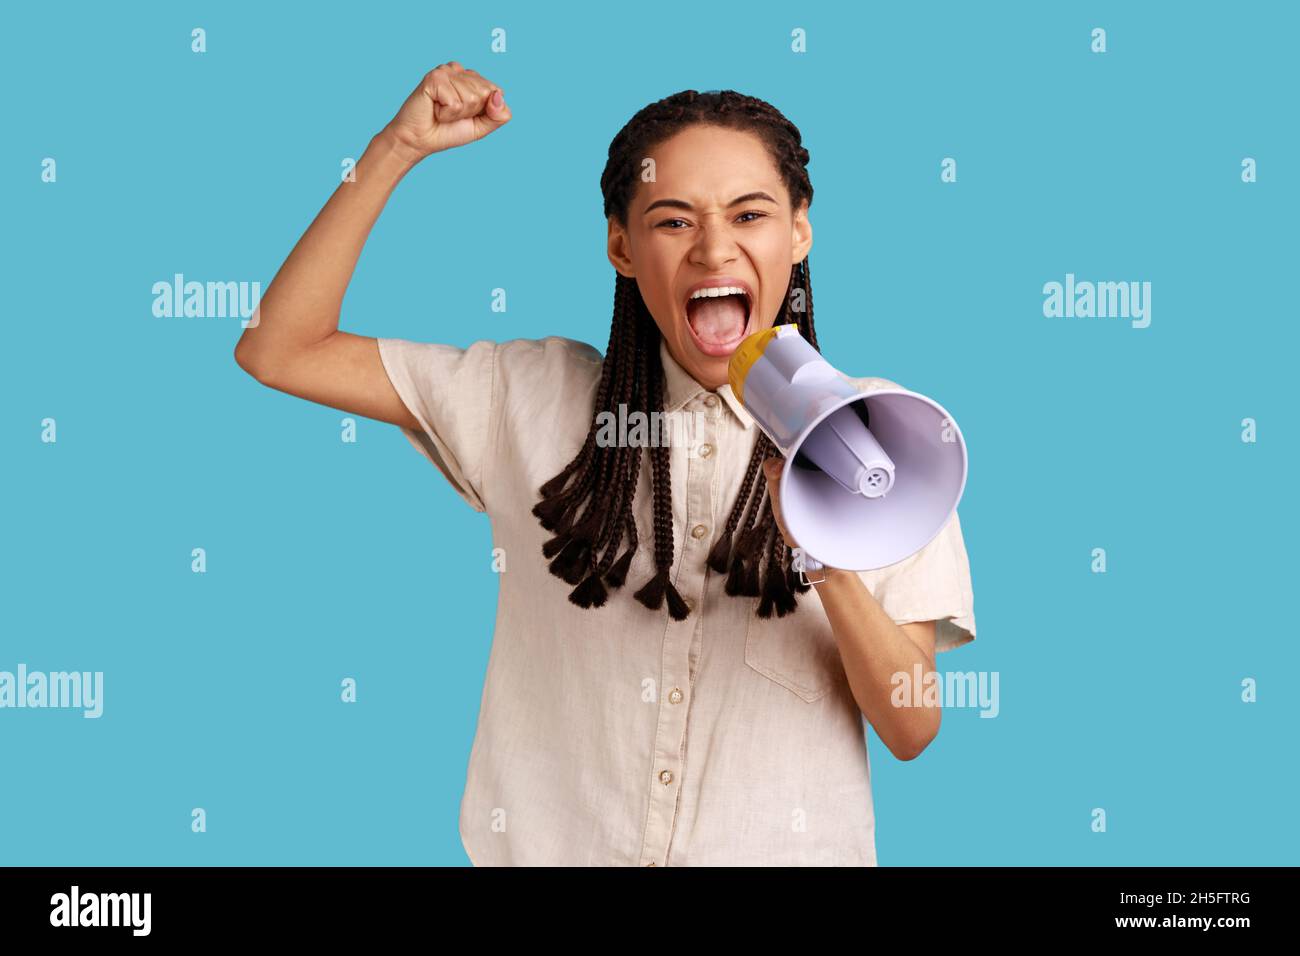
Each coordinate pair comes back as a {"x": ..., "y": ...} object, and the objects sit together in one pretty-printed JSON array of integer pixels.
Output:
[{"x": 703, "y": 714}]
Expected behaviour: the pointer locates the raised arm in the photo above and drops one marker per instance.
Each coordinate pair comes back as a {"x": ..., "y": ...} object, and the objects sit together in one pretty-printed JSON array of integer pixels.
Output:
[{"x": 296, "y": 345}]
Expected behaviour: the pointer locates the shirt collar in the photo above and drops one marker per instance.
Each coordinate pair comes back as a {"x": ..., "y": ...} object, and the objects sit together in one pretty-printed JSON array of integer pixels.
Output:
[{"x": 681, "y": 387}]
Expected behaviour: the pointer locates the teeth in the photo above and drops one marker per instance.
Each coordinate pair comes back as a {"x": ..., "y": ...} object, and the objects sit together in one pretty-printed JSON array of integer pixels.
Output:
[{"x": 717, "y": 291}]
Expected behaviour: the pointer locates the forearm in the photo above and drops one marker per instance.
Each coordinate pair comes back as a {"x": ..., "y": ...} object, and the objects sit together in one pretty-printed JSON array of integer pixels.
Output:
[
  {"x": 302, "y": 304},
  {"x": 874, "y": 649}
]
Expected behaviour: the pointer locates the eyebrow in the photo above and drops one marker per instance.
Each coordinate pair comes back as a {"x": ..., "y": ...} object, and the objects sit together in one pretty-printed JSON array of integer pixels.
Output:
[{"x": 682, "y": 204}]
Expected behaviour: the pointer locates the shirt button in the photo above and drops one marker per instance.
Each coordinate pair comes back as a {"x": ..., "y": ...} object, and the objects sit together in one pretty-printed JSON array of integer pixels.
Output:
[
  {"x": 699, "y": 531},
  {"x": 706, "y": 450},
  {"x": 675, "y": 695},
  {"x": 711, "y": 401},
  {"x": 651, "y": 863},
  {"x": 666, "y": 776}
]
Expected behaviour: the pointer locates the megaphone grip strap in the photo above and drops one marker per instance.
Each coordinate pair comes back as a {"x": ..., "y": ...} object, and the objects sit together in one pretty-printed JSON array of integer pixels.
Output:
[{"x": 812, "y": 564}]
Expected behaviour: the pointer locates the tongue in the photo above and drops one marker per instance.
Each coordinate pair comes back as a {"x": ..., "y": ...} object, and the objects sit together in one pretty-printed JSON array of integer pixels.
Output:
[{"x": 719, "y": 320}]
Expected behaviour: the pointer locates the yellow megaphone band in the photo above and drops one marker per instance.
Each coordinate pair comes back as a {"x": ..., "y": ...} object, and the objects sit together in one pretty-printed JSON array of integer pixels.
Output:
[{"x": 742, "y": 360}]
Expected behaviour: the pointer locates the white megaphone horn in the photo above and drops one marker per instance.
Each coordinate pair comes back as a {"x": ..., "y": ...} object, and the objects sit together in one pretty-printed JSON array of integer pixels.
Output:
[{"x": 870, "y": 478}]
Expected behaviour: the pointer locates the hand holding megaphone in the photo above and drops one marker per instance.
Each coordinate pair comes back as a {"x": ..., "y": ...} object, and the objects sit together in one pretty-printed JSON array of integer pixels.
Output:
[
  {"x": 800, "y": 561},
  {"x": 869, "y": 477},
  {"x": 772, "y": 472}
]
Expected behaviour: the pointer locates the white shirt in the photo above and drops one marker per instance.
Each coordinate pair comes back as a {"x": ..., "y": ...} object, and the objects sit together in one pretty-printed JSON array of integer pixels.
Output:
[{"x": 616, "y": 736}]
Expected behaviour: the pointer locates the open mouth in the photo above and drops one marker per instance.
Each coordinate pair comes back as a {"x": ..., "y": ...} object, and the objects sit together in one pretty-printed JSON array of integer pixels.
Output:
[{"x": 719, "y": 322}]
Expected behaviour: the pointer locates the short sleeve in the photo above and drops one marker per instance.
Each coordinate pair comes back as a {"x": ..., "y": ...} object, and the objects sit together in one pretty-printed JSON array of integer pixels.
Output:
[
  {"x": 932, "y": 585},
  {"x": 450, "y": 392}
]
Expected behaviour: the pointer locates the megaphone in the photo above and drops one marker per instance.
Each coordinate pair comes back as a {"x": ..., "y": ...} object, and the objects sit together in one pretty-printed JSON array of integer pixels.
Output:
[{"x": 870, "y": 478}]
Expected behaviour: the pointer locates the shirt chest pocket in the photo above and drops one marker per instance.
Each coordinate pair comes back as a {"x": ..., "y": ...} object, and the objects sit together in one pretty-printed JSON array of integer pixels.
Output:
[{"x": 797, "y": 651}]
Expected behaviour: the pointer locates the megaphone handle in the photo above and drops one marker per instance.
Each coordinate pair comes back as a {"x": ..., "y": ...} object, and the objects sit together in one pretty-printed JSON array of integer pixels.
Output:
[{"x": 811, "y": 564}]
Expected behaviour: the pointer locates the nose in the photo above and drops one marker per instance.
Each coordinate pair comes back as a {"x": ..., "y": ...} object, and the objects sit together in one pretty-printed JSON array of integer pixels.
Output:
[{"x": 714, "y": 244}]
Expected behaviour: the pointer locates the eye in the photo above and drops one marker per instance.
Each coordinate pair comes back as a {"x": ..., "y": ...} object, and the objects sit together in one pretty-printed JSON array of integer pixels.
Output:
[{"x": 752, "y": 212}]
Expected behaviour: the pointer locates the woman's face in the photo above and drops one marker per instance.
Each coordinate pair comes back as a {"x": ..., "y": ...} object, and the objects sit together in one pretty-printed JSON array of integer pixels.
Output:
[{"x": 686, "y": 228}]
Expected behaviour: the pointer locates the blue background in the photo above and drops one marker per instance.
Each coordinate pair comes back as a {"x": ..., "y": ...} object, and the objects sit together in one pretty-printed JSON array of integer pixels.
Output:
[{"x": 1118, "y": 690}]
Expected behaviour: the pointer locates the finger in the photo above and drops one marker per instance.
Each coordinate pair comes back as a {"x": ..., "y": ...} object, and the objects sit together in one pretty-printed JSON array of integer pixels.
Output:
[
  {"x": 489, "y": 97},
  {"x": 495, "y": 111},
  {"x": 773, "y": 475},
  {"x": 772, "y": 472},
  {"x": 466, "y": 95},
  {"x": 449, "y": 102},
  {"x": 473, "y": 89},
  {"x": 446, "y": 99}
]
